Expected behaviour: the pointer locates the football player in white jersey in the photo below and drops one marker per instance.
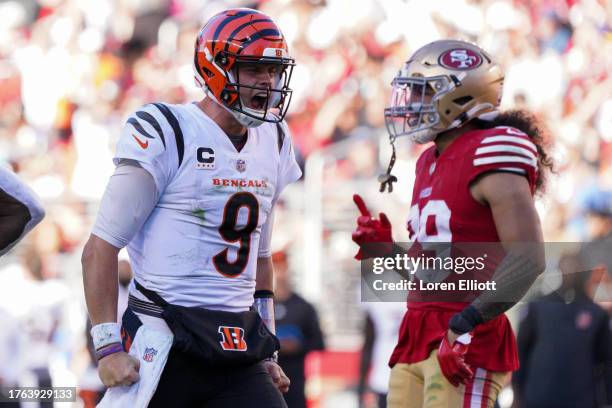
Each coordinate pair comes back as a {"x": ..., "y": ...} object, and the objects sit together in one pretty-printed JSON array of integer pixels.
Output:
[
  {"x": 20, "y": 210},
  {"x": 192, "y": 198}
]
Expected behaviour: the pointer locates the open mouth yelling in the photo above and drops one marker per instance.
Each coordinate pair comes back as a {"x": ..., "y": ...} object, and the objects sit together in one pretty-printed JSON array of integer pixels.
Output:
[{"x": 259, "y": 101}]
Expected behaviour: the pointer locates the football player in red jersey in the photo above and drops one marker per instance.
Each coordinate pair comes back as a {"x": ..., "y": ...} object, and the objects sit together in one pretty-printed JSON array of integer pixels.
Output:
[{"x": 475, "y": 184}]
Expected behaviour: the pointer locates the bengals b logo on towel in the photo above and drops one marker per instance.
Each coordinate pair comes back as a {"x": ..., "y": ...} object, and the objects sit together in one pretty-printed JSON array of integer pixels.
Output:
[{"x": 232, "y": 338}]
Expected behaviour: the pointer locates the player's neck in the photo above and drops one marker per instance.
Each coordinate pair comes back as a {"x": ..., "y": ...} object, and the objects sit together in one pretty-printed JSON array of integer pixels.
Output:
[
  {"x": 221, "y": 117},
  {"x": 444, "y": 139}
]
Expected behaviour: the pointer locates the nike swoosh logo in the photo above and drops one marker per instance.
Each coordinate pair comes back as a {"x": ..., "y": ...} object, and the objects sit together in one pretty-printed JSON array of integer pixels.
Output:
[{"x": 142, "y": 144}]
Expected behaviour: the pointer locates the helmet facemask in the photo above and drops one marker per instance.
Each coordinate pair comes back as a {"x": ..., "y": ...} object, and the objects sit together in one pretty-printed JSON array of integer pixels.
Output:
[
  {"x": 255, "y": 104},
  {"x": 413, "y": 109}
]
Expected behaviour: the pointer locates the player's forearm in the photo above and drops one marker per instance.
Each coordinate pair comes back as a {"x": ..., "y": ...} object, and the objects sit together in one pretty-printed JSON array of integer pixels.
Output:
[
  {"x": 264, "y": 279},
  {"x": 518, "y": 227},
  {"x": 264, "y": 295},
  {"x": 99, "y": 262},
  {"x": 513, "y": 278}
]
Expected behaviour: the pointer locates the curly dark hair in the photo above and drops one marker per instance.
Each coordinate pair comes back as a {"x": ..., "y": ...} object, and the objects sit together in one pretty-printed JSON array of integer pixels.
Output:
[{"x": 529, "y": 124}]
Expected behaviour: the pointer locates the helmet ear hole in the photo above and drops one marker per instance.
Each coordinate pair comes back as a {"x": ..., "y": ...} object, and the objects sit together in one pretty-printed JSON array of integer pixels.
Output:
[{"x": 221, "y": 59}]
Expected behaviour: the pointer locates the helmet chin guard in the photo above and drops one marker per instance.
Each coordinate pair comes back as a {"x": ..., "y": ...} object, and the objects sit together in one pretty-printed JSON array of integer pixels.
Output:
[{"x": 246, "y": 120}]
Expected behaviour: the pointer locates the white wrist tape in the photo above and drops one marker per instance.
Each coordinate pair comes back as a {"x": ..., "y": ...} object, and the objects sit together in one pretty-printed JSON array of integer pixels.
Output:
[
  {"x": 264, "y": 304},
  {"x": 104, "y": 334}
]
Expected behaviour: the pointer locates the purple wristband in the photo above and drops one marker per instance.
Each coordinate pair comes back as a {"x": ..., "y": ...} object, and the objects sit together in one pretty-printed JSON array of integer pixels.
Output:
[{"x": 108, "y": 350}]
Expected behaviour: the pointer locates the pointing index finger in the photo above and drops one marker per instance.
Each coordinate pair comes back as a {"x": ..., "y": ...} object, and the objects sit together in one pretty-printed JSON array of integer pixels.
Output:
[{"x": 361, "y": 205}]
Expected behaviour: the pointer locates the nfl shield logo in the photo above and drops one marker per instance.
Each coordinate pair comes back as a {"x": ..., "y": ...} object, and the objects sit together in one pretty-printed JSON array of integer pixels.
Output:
[
  {"x": 240, "y": 165},
  {"x": 149, "y": 354}
]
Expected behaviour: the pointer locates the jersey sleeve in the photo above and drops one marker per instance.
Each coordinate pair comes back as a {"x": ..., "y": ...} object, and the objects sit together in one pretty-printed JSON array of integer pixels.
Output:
[
  {"x": 507, "y": 150},
  {"x": 20, "y": 210},
  {"x": 265, "y": 239},
  {"x": 289, "y": 170},
  {"x": 128, "y": 200},
  {"x": 148, "y": 137}
]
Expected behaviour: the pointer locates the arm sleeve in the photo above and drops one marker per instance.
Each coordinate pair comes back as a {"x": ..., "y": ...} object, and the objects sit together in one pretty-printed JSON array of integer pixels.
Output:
[
  {"x": 20, "y": 210},
  {"x": 507, "y": 150},
  {"x": 289, "y": 170},
  {"x": 129, "y": 198},
  {"x": 148, "y": 138},
  {"x": 265, "y": 239}
]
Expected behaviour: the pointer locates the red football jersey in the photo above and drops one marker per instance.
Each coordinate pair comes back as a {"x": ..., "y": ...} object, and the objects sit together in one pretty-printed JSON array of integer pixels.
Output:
[{"x": 443, "y": 210}]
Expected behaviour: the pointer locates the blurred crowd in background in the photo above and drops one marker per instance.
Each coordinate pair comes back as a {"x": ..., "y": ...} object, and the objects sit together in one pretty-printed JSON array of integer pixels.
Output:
[{"x": 72, "y": 70}]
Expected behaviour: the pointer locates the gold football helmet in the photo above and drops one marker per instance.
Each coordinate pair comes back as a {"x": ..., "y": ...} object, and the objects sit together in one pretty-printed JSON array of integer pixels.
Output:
[{"x": 442, "y": 86}]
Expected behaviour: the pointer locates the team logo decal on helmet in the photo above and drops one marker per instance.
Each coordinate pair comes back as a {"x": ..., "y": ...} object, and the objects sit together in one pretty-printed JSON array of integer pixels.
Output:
[
  {"x": 244, "y": 40},
  {"x": 460, "y": 59}
]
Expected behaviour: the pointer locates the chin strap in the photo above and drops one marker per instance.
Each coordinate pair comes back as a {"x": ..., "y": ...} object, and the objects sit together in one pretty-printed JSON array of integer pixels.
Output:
[{"x": 386, "y": 180}]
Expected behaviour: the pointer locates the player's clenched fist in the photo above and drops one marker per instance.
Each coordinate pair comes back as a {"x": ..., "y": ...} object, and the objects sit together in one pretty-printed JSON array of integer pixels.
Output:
[
  {"x": 118, "y": 369},
  {"x": 371, "y": 231}
]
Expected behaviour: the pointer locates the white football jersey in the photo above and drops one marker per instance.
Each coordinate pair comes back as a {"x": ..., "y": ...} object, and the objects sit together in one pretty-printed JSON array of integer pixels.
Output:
[{"x": 199, "y": 246}]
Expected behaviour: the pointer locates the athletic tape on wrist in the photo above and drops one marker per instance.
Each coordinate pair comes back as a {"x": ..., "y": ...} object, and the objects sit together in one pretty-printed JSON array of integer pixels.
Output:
[
  {"x": 264, "y": 304},
  {"x": 105, "y": 333}
]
